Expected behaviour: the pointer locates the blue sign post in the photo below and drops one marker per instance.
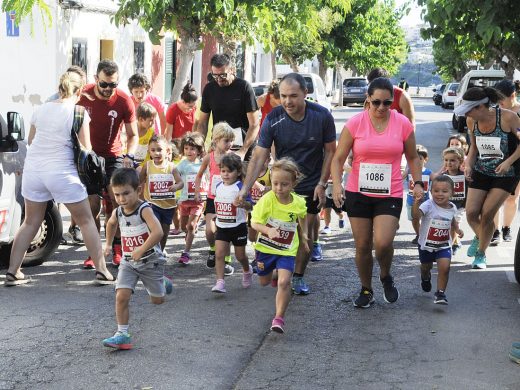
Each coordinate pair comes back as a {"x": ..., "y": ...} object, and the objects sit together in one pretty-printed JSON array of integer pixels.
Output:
[{"x": 12, "y": 28}]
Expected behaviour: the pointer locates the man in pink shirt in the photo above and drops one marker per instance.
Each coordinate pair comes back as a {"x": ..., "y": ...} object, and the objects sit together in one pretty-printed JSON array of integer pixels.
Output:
[{"x": 139, "y": 88}]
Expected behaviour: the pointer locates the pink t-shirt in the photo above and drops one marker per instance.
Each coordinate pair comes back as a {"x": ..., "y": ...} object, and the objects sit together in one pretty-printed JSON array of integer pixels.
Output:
[
  {"x": 156, "y": 102},
  {"x": 371, "y": 147}
]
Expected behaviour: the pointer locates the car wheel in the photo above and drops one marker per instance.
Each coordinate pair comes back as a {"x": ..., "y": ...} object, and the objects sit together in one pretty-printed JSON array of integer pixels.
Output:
[
  {"x": 461, "y": 125},
  {"x": 47, "y": 239},
  {"x": 443, "y": 105},
  {"x": 517, "y": 259}
]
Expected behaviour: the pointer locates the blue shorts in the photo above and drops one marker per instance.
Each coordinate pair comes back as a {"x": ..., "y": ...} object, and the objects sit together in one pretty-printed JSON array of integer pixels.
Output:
[
  {"x": 165, "y": 216},
  {"x": 267, "y": 263},
  {"x": 430, "y": 257}
]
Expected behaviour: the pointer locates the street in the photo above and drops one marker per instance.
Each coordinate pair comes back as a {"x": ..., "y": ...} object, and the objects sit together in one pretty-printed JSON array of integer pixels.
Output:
[{"x": 52, "y": 329}]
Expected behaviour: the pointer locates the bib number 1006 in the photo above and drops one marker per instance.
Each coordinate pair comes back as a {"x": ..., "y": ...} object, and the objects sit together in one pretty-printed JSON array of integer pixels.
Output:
[{"x": 374, "y": 176}]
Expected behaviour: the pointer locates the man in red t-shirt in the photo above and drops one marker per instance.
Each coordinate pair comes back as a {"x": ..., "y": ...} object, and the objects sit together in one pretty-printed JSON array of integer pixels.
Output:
[{"x": 109, "y": 108}]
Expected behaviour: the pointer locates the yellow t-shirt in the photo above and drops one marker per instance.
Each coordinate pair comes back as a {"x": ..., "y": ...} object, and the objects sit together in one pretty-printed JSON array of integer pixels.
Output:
[
  {"x": 158, "y": 182},
  {"x": 265, "y": 179},
  {"x": 141, "y": 152},
  {"x": 270, "y": 212}
]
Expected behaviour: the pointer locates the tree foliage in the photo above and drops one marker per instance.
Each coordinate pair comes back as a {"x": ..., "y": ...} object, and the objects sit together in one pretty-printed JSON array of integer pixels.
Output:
[{"x": 25, "y": 8}]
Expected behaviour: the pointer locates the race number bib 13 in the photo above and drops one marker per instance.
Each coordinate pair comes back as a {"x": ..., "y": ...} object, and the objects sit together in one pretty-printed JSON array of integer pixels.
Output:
[
  {"x": 438, "y": 236},
  {"x": 226, "y": 212},
  {"x": 489, "y": 147},
  {"x": 159, "y": 186},
  {"x": 375, "y": 179},
  {"x": 215, "y": 181},
  {"x": 424, "y": 178},
  {"x": 190, "y": 184},
  {"x": 459, "y": 188},
  {"x": 132, "y": 237},
  {"x": 286, "y": 230}
]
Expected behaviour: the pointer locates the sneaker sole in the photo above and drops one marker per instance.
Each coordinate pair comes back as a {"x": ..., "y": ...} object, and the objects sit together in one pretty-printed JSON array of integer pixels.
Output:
[
  {"x": 441, "y": 302},
  {"x": 210, "y": 265},
  {"x": 494, "y": 243},
  {"x": 301, "y": 292},
  {"x": 426, "y": 288},
  {"x": 277, "y": 329},
  {"x": 119, "y": 346},
  {"x": 387, "y": 301},
  {"x": 218, "y": 291},
  {"x": 366, "y": 306},
  {"x": 514, "y": 358}
]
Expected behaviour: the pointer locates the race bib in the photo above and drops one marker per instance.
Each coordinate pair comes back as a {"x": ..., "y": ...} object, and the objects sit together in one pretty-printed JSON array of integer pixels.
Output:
[
  {"x": 215, "y": 181},
  {"x": 132, "y": 237},
  {"x": 438, "y": 236},
  {"x": 286, "y": 230},
  {"x": 239, "y": 141},
  {"x": 424, "y": 178},
  {"x": 375, "y": 179},
  {"x": 489, "y": 147},
  {"x": 328, "y": 190},
  {"x": 140, "y": 153},
  {"x": 459, "y": 188},
  {"x": 226, "y": 212},
  {"x": 256, "y": 192},
  {"x": 159, "y": 186},
  {"x": 190, "y": 185}
]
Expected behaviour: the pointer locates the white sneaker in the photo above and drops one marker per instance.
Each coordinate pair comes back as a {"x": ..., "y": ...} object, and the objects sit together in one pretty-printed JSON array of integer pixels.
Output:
[{"x": 326, "y": 230}]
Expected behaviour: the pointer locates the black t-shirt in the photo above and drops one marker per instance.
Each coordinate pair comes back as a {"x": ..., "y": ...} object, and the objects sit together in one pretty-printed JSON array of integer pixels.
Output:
[{"x": 230, "y": 104}]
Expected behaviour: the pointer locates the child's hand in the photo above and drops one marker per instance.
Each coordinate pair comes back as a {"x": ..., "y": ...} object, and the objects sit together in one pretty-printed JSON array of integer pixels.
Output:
[
  {"x": 107, "y": 251},
  {"x": 196, "y": 198},
  {"x": 136, "y": 254},
  {"x": 172, "y": 188},
  {"x": 460, "y": 233},
  {"x": 273, "y": 233}
]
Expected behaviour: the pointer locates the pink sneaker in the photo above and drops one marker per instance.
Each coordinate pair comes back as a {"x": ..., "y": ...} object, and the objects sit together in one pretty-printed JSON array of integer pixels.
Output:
[
  {"x": 185, "y": 258},
  {"x": 274, "y": 282},
  {"x": 88, "y": 264},
  {"x": 277, "y": 325},
  {"x": 219, "y": 287},
  {"x": 247, "y": 278},
  {"x": 117, "y": 255},
  {"x": 175, "y": 232}
]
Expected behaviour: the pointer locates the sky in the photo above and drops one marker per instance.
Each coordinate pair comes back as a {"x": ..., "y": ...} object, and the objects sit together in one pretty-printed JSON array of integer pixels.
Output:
[{"x": 413, "y": 17}]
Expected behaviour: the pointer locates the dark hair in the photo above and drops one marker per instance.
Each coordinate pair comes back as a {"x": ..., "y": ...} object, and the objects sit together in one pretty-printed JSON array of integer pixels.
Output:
[
  {"x": 108, "y": 67},
  {"x": 79, "y": 70},
  {"x": 461, "y": 139},
  {"x": 219, "y": 60},
  {"x": 444, "y": 179},
  {"x": 376, "y": 73},
  {"x": 125, "y": 176},
  {"x": 380, "y": 83},
  {"x": 145, "y": 111},
  {"x": 422, "y": 151},
  {"x": 194, "y": 139},
  {"x": 138, "y": 80},
  {"x": 188, "y": 94},
  {"x": 234, "y": 163},
  {"x": 274, "y": 89},
  {"x": 478, "y": 93},
  {"x": 209, "y": 77},
  {"x": 295, "y": 78},
  {"x": 505, "y": 87},
  {"x": 158, "y": 138}
]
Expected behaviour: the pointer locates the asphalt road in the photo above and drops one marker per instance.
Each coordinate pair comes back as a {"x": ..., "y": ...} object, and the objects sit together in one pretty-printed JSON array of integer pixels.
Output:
[{"x": 52, "y": 329}]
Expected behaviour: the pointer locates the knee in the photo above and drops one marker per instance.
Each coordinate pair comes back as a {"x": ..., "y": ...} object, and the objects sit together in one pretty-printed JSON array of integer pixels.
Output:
[
  {"x": 487, "y": 217},
  {"x": 473, "y": 214},
  {"x": 383, "y": 246},
  {"x": 284, "y": 283},
  {"x": 122, "y": 299}
]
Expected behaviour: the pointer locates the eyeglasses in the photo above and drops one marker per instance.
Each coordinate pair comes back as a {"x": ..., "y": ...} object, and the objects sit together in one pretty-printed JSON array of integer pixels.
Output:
[
  {"x": 104, "y": 84},
  {"x": 386, "y": 103},
  {"x": 222, "y": 76}
]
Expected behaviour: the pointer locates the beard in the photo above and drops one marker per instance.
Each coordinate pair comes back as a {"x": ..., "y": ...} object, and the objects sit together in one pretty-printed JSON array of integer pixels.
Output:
[{"x": 105, "y": 92}]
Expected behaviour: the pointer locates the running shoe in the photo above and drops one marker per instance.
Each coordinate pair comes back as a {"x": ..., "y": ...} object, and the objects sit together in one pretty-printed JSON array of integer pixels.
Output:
[
  {"x": 473, "y": 247},
  {"x": 390, "y": 292},
  {"x": 119, "y": 340},
  {"x": 277, "y": 325},
  {"x": 506, "y": 234},
  {"x": 89, "y": 263},
  {"x": 168, "y": 285},
  {"x": 515, "y": 345},
  {"x": 514, "y": 354},
  {"x": 219, "y": 287},
  {"x": 415, "y": 241},
  {"x": 210, "y": 263},
  {"x": 299, "y": 286},
  {"x": 117, "y": 255},
  {"x": 75, "y": 234},
  {"x": 175, "y": 232},
  {"x": 341, "y": 223},
  {"x": 495, "y": 240},
  {"x": 365, "y": 299},
  {"x": 455, "y": 248},
  {"x": 480, "y": 261},
  {"x": 229, "y": 270},
  {"x": 247, "y": 278},
  {"x": 254, "y": 266},
  {"x": 440, "y": 298},
  {"x": 426, "y": 283},
  {"x": 326, "y": 230},
  {"x": 317, "y": 252},
  {"x": 185, "y": 258}
]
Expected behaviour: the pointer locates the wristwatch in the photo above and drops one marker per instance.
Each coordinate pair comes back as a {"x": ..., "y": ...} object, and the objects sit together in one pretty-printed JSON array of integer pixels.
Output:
[
  {"x": 130, "y": 156},
  {"x": 324, "y": 185},
  {"x": 419, "y": 182}
]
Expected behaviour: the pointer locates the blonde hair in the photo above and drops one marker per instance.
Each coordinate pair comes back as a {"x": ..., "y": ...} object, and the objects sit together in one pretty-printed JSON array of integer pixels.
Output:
[
  {"x": 222, "y": 130},
  {"x": 288, "y": 165},
  {"x": 459, "y": 152},
  {"x": 70, "y": 83}
]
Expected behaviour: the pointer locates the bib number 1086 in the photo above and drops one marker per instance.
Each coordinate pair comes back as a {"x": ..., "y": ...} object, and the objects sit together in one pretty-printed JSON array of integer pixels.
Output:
[{"x": 374, "y": 176}]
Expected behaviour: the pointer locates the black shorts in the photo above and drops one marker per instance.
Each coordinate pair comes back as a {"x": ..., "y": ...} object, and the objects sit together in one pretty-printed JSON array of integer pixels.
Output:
[
  {"x": 486, "y": 183},
  {"x": 210, "y": 207},
  {"x": 312, "y": 205},
  {"x": 111, "y": 164},
  {"x": 236, "y": 235},
  {"x": 358, "y": 205},
  {"x": 329, "y": 204}
]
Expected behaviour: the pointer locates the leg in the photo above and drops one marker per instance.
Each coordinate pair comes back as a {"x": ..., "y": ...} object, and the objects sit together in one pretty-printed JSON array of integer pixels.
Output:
[
  {"x": 443, "y": 270},
  {"x": 166, "y": 231},
  {"x": 34, "y": 215},
  {"x": 240, "y": 254},
  {"x": 283, "y": 293},
  {"x": 362, "y": 232},
  {"x": 494, "y": 199},
  {"x": 211, "y": 229},
  {"x": 385, "y": 227},
  {"x": 302, "y": 257},
  {"x": 474, "y": 203},
  {"x": 122, "y": 300},
  {"x": 265, "y": 279},
  {"x": 221, "y": 250},
  {"x": 510, "y": 207},
  {"x": 95, "y": 208},
  {"x": 326, "y": 216},
  {"x": 157, "y": 300},
  {"x": 191, "y": 226}
]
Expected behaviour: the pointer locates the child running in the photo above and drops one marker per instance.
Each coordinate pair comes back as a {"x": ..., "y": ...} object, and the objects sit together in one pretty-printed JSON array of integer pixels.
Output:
[
  {"x": 223, "y": 137},
  {"x": 192, "y": 147},
  {"x": 142, "y": 256},
  {"x": 162, "y": 180},
  {"x": 231, "y": 221},
  {"x": 279, "y": 218},
  {"x": 437, "y": 217},
  {"x": 146, "y": 114}
]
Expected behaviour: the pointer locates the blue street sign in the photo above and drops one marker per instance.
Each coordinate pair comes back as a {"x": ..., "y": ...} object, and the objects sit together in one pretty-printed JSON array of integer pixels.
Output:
[{"x": 12, "y": 28}]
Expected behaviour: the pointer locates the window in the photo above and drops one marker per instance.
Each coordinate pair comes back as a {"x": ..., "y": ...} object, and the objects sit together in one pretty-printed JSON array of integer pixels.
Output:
[
  {"x": 79, "y": 53},
  {"x": 170, "y": 68},
  {"x": 240, "y": 60},
  {"x": 139, "y": 57}
]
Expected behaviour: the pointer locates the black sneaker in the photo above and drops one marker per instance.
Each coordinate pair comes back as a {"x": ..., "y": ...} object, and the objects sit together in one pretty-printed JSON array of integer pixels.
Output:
[
  {"x": 415, "y": 241},
  {"x": 440, "y": 298},
  {"x": 495, "y": 239},
  {"x": 426, "y": 285},
  {"x": 390, "y": 293},
  {"x": 365, "y": 299},
  {"x": 210, "y": 263},
  {"x": 506, "y": 234}
]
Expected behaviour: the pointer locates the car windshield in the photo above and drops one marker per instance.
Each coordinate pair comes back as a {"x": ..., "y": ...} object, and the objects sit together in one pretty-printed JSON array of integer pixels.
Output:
[
  {"x": 356, "y": 83},
  {"x": 453, "y": 87}
]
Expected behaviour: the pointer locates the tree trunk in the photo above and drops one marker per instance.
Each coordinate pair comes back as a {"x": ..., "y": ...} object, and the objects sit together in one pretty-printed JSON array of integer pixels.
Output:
[
  {"x": 322, "y": 69},
  {"x": 186, "y": 54},
  {"x": 294, "y": 64},
  {"x": 273, "y": 63},
  {"x": 229, "y": 47}
]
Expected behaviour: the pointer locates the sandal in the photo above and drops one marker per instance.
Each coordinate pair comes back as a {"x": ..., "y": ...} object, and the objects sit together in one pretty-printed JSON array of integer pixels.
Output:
[
  {"x": 14, "y": 281},
  {"x": 102, "y": 279}
]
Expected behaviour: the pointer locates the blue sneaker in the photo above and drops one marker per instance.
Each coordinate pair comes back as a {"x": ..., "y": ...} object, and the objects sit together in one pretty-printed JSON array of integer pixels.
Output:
[
  {"x": 514, "y": 354},
  {"x": 119, "y": 341},
  {"x": 168, "y": 285},
  {"x": 472, "y": 249},
  {"x": 316, "y": 253},
  {"x": 515, "y": 345},
  {"x": 480, "y": 260},
  {"x": 299, "y": 286},
  {"x": 341, "y": 223}
]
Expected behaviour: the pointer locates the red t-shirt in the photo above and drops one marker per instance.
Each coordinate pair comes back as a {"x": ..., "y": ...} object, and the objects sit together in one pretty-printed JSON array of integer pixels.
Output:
[
  {"x": 106, "y": 117},
  {"x": 182, "y": 121}
]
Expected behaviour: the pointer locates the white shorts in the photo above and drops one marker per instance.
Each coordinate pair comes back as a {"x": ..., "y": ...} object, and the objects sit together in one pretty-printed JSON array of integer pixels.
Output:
[{"x": 44, "y": 186}]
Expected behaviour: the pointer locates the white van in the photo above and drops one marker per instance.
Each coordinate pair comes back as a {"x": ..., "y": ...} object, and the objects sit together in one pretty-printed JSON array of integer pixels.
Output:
[
  {"x": 474, "y": 78},
  {"x": 315, "y": 90}
]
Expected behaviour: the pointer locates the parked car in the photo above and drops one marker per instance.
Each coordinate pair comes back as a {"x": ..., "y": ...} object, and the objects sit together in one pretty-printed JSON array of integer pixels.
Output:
[
  {"x": 260, "y": 88},
  {"x": 474, "y": 78},
  {"x": 437, "y": 93},
  {"x": 316, "y": 90},
  {"x": 354, "y": 90},
  {"x": 449, "y": 95},
  {"x": 12, "y": 156}
]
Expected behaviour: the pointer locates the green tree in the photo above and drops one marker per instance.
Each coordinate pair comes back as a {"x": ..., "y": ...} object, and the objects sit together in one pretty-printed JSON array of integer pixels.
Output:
[{"x": 25, "y": 8}]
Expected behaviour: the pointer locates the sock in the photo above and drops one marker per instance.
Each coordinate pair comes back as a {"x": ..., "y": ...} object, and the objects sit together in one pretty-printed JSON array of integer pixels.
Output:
[
  {"x": 122, "y": 328},
  {"x": 297, "y": 275},
  {"x": 228, "y": 260},
  {"x": 117, "y": 241},
  {"x": 212, "y": 248}
]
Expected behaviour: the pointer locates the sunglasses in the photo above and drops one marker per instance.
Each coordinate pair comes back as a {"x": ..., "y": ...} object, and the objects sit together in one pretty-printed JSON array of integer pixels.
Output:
[
  {"x": 221, "y": 76},
  {"x": 386, "y": 103},
  {"x": 104, "y": 84}
]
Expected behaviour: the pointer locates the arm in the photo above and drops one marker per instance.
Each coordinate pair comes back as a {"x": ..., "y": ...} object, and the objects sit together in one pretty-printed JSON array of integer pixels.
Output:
[
  {"x": 143, "y": 173},
  {"x": 154, "y": 237},
  {"x": 132, "y": 138},
  {"x": 405, "y": 102},
  {"x": 198, "y": 179},
  {"x": 32, "y": 133},
  {"x": 472, "y": 153},
  {"x": 252, "y": 133},
  {"x": 336, "y": 167},
  {"x": 456, "y": 227},
  {"x": 178, "y": 180},
  {"x": 270, "y": 232},
  {"x": 254, "y": 167},
  {"x": 162, "y": 121},
  {"x": 416, "y": 211},
  {"x": 84, "y": 136},
  {"x": 261, "y": 100},
  {"x": 319, "y": 190},
  {"x": 414, "y": 164},
  {"x": 303, "y": 234},
  {"x": 512, "y": 123},
  {"x": 203, "y": 123},
  {"x": 111, "y": 227},
  {"x": 169, "y": 132}
]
